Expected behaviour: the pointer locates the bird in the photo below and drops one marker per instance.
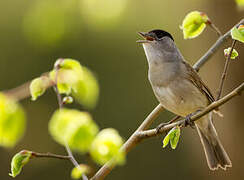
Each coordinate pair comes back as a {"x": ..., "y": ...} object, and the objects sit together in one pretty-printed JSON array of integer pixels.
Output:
[{"x": 179, "y": 89}]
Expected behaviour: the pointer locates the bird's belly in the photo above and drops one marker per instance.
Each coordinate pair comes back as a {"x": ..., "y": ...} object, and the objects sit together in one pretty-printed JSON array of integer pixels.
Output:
[{"x": 179, "y": 100}]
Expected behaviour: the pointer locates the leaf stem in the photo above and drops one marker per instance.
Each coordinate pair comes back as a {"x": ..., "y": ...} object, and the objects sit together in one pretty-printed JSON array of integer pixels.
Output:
[{"x": 223, "y": 77}]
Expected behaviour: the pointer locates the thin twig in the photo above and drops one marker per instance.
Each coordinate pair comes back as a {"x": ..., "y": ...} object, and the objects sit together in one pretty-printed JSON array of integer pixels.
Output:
[
  {"x": 212, "y": 25},
  {"x": 214, "y": 48},
  {"x": 211, "y": 107},
  {"x": 223, "y": 77},
  {"x": 49, "y": 155},
  {"x": 133, "y": 140},
  {"x": 60, "y": 103}
]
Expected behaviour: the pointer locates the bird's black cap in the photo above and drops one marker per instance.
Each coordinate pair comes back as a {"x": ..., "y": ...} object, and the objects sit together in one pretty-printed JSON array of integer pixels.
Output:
[{"x": 160, "y": 34}]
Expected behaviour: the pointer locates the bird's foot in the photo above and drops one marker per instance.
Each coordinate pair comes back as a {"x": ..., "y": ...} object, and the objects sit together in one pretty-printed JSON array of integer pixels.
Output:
[{"x": 189, "y": 121}]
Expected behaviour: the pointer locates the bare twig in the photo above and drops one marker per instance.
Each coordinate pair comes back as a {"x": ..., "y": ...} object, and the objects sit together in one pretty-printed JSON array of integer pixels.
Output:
[
  {"x": 211, "y": 107},
  {"x": 214, "y": 48},
  {"x": 49, "y": 155},
  {"x": 212, "y": 25},
  {"x": 60, "y": 103},
  {"x": 227, "y": 62},
  {"x": 133, "y": 140}
]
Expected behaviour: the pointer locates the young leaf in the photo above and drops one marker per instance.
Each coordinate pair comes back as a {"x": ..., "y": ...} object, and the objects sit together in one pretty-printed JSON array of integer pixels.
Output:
[
  {"x": 69, "y": 75},
  {"x": 174, "y": 137},
  {"x": 18, "y": 161},
  {"x": 193, "y": 24},
  {"x": 107, "y": 145},
  {"x": 238, "y": 33},
  {"x": 234, "y": 53},
  {"x": 240, "y": 2},
  {"x": 12, "y": 121},
  {"x": 67, "y": 100},
  {"x": 38, "y": 86},
  {"x": 87, "y": 90},
  {"x": 166, "y": 140},
  {"x": 73, "y": 127},
  {"x": 77, "y": 172}
]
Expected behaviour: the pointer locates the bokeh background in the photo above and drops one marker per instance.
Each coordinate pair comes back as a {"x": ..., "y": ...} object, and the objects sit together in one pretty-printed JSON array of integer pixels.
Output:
[{"x": 101, "y": 34}]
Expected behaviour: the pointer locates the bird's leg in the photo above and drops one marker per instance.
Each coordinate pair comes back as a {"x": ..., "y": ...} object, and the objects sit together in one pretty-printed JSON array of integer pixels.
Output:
[
  {"x": 188, "y": 120},
  {"x": 167, "y": 123}
]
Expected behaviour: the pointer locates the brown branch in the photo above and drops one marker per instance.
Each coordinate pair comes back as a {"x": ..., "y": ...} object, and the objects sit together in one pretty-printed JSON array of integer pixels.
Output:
[
  {"x": 49, "y": 155},
  {"x": 214, "y": 48},
  {"x": 211, "y": 107},
  {"x": 227, "y": 62},
  {"x": 212, "y": 25},
  {"x": 133, "y": 140}
]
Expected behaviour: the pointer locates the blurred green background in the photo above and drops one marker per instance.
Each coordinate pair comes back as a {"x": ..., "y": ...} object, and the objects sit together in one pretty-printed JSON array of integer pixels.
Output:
[{"x": 101, "y": 34}]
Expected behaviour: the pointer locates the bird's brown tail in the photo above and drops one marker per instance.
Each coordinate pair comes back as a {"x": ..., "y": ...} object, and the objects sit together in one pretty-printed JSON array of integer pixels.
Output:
[{"x": 214, "y": 151}]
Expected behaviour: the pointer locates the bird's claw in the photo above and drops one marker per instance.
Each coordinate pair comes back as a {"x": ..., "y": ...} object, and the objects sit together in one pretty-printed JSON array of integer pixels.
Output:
[{"x": 189, "y": 122}]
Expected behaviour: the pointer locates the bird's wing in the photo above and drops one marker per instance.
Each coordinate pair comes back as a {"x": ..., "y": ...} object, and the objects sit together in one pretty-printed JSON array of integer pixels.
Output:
[{"x": 197, "y": 81}]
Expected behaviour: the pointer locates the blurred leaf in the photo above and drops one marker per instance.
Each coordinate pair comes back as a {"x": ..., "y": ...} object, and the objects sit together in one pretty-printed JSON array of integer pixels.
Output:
[
  {"x": 70, "y": 74},
  {"x": 74, "y": 127},
  {"x": 47, "y": 23},
  {"x": 103, "y": 13},
  {"x": 77, "y": 172},
  {"x": 234, "y": 53},
  {"x": 72, "y": 77},
  {"x": 107, "y": 145},
  {"x": 38, "y": 86},
  {"x": 238, "y": 33},
  {"x": 240, "y": 2},
  {"x": 12, "y": 121},
  {"x": 87, "y": 90},
  {"x": 18, "y": 161},
  {"x": 172, "y": 136},
  {"x": 193, "y": 24}
]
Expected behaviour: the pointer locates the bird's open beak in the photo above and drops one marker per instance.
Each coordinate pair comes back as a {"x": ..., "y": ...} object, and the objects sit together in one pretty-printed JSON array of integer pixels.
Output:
[{"x": 146, "y": 37}]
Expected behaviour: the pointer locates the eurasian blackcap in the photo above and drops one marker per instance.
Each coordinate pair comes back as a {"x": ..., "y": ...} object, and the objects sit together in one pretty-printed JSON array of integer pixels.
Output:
[{"x": 180, "y": 90}]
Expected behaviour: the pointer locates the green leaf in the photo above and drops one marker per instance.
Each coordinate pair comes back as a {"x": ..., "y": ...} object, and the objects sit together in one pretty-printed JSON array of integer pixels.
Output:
[
  {"x": 106, "y": 146},
  {"x": 12, "y": 121},
  {"x": 238, "y": 33},
  {"x": 77, "y": 172},
  {"x": 74, "y": 127},
  {"x": 240, "y": 2},
  {"x": 18, "y": 161},
  {"x": 234, "y": 53},
  {"x": 38, "y": 86},
  {"x": 166, "y": 140},
  {"x": 70, "y": 73},
  {"x": 172, "y": 137},
  {"x": 87, "y": 90},
  {"x": 193, "y": 24}
]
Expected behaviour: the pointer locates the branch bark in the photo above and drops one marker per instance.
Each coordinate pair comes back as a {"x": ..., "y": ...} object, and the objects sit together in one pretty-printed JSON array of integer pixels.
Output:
[{"x": 134, "y": 139}]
